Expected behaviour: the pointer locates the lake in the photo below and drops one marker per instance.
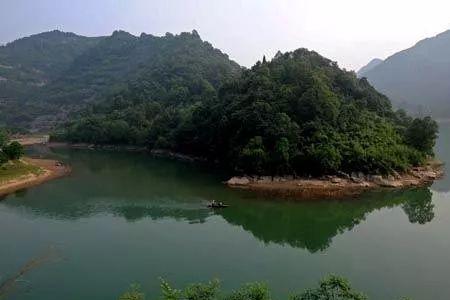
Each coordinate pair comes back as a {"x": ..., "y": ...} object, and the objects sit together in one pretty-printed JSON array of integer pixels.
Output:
[{"x": 123, "y": 218}]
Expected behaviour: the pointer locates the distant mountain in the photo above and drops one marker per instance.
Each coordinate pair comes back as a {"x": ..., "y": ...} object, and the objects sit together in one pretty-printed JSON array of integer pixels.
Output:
[
  {"x": 418, "y": 78},
  {"x": 54, "y": 74},
  {"x": 372, "y": 64}
]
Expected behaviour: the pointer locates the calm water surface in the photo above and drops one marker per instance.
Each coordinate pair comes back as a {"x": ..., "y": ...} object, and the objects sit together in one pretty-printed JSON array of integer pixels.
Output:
[{"x": 122, "y": 218}]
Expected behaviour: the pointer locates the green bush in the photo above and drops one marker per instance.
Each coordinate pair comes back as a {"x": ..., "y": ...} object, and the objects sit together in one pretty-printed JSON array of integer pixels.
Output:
[
  {"x": 198, "y": 291},
  {"x": 330, "y": 288},
  {"x": 134, "y": 293},
  {"x": 3, "y": 158},
  {"x": 251, "y": 291},
  {"x": 13, "y": 150},
  {"x": 421, "y": 134}
]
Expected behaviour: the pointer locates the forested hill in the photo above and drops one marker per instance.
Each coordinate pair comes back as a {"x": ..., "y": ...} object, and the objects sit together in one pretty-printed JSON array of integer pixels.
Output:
[
  {"x": 298, "y": 113},
  {"x": 47, "y": 77},
  {"x": 28, "y": 65},
  {"x": 417, "y": 78},
  {"x": 40, "y": 58}
]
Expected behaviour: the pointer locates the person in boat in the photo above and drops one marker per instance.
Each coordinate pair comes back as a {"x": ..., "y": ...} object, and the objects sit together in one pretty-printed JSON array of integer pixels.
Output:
[{"x": 214, "y": 203}]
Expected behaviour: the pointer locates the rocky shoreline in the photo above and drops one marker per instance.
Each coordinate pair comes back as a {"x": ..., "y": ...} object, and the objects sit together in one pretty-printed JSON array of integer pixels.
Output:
[
  {"x": 340, "y": 185},
  {"x": 331, "y": 186}
]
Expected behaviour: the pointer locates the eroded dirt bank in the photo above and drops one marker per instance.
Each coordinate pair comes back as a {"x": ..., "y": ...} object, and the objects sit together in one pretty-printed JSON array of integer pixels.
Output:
[{"x": 50, "y": 169}]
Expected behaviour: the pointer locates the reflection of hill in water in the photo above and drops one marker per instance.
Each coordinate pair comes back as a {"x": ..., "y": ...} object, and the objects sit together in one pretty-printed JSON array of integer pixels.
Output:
[
  {"x": 137, "y": 187},
  {"x": 136, "y": 213},
  {"x": 312, "y": 225}
]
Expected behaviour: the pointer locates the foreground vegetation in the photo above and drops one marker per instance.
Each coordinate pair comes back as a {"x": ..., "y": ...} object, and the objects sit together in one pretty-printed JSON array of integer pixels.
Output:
[
  {"x": 330, "y": 288},
  {"x": 297, "y": 114}
]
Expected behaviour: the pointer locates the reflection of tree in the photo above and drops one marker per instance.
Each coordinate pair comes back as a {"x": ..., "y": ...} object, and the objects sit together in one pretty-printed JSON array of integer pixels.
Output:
[
  {"x": 135, "y": 187},
  {"x": 306, "y": 225},
  {"x": 19, "y": 194},
  {"x": 136, "y": 213},
  {"x": 313, "y": 225},
  {"x": 419, "y": 207}
]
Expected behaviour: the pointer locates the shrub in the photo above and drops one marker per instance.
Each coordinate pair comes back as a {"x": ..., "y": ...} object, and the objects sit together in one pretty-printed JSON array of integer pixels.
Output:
[
  {"x": 3, "y": 158},
  {"x": 13, "y": 151},
  {"x": 133, "y": 294},
  {"x": 330, "y": 288}
]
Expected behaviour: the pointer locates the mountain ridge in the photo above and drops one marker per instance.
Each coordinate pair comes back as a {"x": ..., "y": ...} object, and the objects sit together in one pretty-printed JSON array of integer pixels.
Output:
[
  {"x": 372, "y": 64},
  {"x": 416, "y": 78},
  {"x": 51, "y": 82}
]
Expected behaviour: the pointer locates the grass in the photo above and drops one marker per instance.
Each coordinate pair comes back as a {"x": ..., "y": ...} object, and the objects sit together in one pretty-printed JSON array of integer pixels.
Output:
[{"x": 16, "y": 169}]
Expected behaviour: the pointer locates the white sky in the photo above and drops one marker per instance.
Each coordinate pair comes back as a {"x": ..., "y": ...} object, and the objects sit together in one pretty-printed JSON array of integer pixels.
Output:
[{"x": 352, "y": 32}]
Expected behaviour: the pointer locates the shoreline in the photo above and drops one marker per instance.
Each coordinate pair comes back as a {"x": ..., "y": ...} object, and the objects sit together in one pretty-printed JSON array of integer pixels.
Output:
[
  {"x": 337, "y": 186},
  {"x": 52, "y": 169},
  {"x": 31, "y": 140},
  {"x": 139, "y": 149},
  {"x": 331, "y": 186}
]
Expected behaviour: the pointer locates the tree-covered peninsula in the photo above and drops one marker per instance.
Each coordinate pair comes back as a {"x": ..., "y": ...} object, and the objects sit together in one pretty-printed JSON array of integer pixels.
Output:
[{"x": 296, "y": 114}]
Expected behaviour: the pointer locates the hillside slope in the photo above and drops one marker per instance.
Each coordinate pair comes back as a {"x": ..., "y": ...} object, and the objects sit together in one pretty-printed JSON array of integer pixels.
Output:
[
  {"x": 28, "y": 65},
  {"x": 418, "y": 78},
  {"x": 40, "y": 58},
  {"x": 372, "y": 64},
  {"x": 65, "y": 84}
]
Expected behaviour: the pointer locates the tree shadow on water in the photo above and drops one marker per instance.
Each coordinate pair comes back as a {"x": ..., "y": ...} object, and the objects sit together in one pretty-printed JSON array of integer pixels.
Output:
[{"x": 312, "y": 225}]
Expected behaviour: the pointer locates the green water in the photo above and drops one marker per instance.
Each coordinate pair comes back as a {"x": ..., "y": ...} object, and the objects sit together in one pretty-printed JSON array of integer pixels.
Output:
[{"x": 121, "y": 218}]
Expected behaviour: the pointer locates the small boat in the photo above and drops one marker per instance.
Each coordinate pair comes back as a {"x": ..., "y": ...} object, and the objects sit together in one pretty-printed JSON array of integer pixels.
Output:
[{"x": 217, "y": 205}]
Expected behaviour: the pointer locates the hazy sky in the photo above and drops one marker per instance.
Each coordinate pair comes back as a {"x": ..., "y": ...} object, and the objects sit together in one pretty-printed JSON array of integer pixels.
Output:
[{"x": 349, "y": 31}]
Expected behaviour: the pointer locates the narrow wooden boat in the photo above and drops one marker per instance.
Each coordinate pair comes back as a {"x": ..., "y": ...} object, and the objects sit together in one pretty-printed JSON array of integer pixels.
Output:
[{"x": 217, "y": 205}]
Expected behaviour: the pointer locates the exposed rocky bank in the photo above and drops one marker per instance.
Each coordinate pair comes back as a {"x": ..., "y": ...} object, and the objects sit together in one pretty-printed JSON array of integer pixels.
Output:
[{"x": 340, "y": 185}]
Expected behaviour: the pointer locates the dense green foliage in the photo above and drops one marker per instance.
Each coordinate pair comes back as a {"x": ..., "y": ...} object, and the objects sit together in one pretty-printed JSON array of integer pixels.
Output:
[
  {"x": 13, "y": 150},
  {"x": 330, "y": 288},
  {"x": 421, "y": 134},
  {"x": 297, "y": 114},
  {"x": 60, "y": 73},
  {"x": 9, "y": 150},
  {"x": 184, "y": 73},
  {"x": 28, "y": 66}
]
